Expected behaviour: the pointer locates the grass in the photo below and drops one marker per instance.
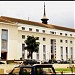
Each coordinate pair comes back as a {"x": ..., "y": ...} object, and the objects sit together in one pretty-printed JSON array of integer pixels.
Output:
[
  {"x": 1, "y": 71},
  {"x": 64, "y": 70}
]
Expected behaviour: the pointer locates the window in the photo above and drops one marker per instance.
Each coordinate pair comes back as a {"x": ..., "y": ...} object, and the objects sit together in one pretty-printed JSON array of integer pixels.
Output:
[
  {"x": 71, "y": 52},
  {"x": 44, "y": 56},
  {"x": 23, "y": 36},
  {"x": 23, "y": 45},
  {"x": 67, "y": 50},
  {"x": 44, "y": 39},
  {"x": 51, "y": 32},
  {"x": 43, "y": 31},
  {"x": 37, "y": 30},
  {"x": 61, "y": 48},
  {"x": 52, "y": 49},
  {"x": 4, "y": 39},
  {"x": 23, "y": 51},
  {"x": 66, "y": 53},
  {"x": 23, "y": 28},
  {"x": 66, "y": 41},
  {"x": 37, "y": 38},
  {"x": 61, "y": 40},
  {"x": 55, "y": 32},
  {"x": 70, "y": 34},
  {"x": 71, "y": 42},
  {"x": 60, "y": 33},
  {"x": 25, "y": 71},
  {"x": 4, "y": 34},
  {"x": 65, "y": 34},
  {"x": 53, "y": 46},
  {"x": 55, "y": 51},
  {"x": 30, "y": 29},
  {"x": 51, "y": 41},
  {"x": 37, "y": 56},
  {"x": 46, "y": 71},
  {"x": 4, "y": 44},
  {"x": 44, "y": 48}
]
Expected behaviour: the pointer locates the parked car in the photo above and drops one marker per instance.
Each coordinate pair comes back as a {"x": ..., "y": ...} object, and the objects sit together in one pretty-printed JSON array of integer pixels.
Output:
[
  {"x": 36, "y": 69},
  {"x": 59, "y": 61},
  {"x": 2, "y": 62},
  {"x": 30, "y": 61},
  {"x": 65, "y": 62},
  {"x": 52, "y": 61},
  {"x": 44, "y": 62}
]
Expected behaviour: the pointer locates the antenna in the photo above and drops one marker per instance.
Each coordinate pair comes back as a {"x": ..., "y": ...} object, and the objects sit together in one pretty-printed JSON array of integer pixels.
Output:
[{"x": 28, "y": 18}]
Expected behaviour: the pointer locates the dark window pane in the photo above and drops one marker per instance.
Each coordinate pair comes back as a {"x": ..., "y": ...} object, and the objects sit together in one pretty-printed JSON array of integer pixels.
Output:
[
  {"x": 43, "y": 31},
  {"x": 37, "y": 30},
  {"x": 23, "y": 28},
  {"x": 30, "y": 29},
  {"x": 23, "y": 36}
]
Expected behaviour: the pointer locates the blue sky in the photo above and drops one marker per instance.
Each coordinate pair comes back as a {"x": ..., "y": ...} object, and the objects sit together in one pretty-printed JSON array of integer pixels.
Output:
[{"x": 59, "y": 12}]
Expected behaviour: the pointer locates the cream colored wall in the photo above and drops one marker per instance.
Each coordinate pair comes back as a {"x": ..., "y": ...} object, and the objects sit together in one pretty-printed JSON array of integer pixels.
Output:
[
  {"x": 36, "y": 35},
  {"x": 12, "y": 52},
  {"x": 47, "y": 43},
  {"x": 15, "y": 41},
  {"x": 58, "y": 44}
]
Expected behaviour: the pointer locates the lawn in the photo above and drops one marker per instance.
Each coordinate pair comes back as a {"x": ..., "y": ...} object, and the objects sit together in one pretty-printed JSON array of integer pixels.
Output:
[{"x": 65, "y": 70}]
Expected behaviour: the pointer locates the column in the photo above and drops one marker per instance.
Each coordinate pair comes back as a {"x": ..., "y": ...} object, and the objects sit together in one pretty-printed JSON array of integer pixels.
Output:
[
  {"x": 40, "y": 52},
  {"x": 64, "y": 53},
  {"x": 47, "y": 52},
  {"x": 69, "y": 52},
  {"x": 58, "y": 52},
  {"x": 34, "y": 55},
  {"x": 26, "y": 54}
]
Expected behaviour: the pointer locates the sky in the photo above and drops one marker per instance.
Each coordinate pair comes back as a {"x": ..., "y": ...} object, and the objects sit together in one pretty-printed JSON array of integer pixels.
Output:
[{"x": 58, "y": 12}]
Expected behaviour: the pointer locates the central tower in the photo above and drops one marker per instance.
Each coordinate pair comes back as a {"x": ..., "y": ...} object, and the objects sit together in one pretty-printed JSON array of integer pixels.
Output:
[{"x": 44, "y": 19}]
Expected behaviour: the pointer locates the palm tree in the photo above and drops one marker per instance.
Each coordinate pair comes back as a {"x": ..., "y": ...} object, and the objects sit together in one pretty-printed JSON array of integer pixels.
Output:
[{"x": 31, "y": 45}]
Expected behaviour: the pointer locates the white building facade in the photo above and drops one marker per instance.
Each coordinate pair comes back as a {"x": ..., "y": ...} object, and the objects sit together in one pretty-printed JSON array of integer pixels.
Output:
[{"x": 56, "y": 42}]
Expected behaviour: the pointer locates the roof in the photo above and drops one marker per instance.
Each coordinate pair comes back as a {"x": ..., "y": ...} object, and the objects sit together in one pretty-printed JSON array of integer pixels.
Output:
[
  {"x": 42, "y": 65},
  {"x": 15, "y": 20}
]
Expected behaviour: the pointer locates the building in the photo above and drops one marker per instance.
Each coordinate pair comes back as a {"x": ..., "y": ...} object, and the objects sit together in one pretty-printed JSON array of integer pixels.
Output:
[{"x": 56, "y": 42}]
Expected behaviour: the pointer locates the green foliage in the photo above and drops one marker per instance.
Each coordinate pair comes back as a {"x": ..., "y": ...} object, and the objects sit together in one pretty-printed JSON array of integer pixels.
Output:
[
  {"x": 32, "y": 45},
  {"x": 64, "y": 69}
]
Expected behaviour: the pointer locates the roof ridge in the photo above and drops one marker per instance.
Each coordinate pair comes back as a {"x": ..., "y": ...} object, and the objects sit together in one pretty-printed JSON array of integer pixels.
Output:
[
  {"x": 22, "y": 20},
  {"x": 5, "y": 19},
  {"x": 9, "y": 19},
  {"x": 60, "y": 26},
  {"x": 14, "y": 18}
]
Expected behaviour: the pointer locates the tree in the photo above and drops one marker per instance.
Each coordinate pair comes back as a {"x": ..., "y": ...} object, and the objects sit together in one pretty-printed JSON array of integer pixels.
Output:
[{"x": 31, "y": 45}]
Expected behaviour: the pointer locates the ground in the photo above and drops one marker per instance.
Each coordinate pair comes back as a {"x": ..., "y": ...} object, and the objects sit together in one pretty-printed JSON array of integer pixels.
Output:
[{"x": 60, "y": 68}]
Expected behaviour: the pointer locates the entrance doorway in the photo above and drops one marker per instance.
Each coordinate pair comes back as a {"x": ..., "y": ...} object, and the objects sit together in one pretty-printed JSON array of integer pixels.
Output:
[{"x": 4, "y": 55}]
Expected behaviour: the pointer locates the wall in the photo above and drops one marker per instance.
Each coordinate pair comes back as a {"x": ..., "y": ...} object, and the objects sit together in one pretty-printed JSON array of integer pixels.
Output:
[{"x": 12, "y": 52}]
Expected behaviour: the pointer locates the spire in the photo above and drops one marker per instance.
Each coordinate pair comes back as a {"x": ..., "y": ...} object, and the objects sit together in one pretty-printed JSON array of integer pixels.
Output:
[
  {"x": 44, "y": 10},
  {"x": 44, "y": 19}
]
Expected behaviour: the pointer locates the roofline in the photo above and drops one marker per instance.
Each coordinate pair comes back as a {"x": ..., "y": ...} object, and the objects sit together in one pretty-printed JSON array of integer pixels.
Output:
[
  {"x": 22, "y": 21},
  {"x": 12, "y": 24}
]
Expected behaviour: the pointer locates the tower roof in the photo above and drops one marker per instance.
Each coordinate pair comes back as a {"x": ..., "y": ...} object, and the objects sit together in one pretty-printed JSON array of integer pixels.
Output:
[
  {"x": 44, "y": 19},
  {"x": 44, "y": 16}
]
